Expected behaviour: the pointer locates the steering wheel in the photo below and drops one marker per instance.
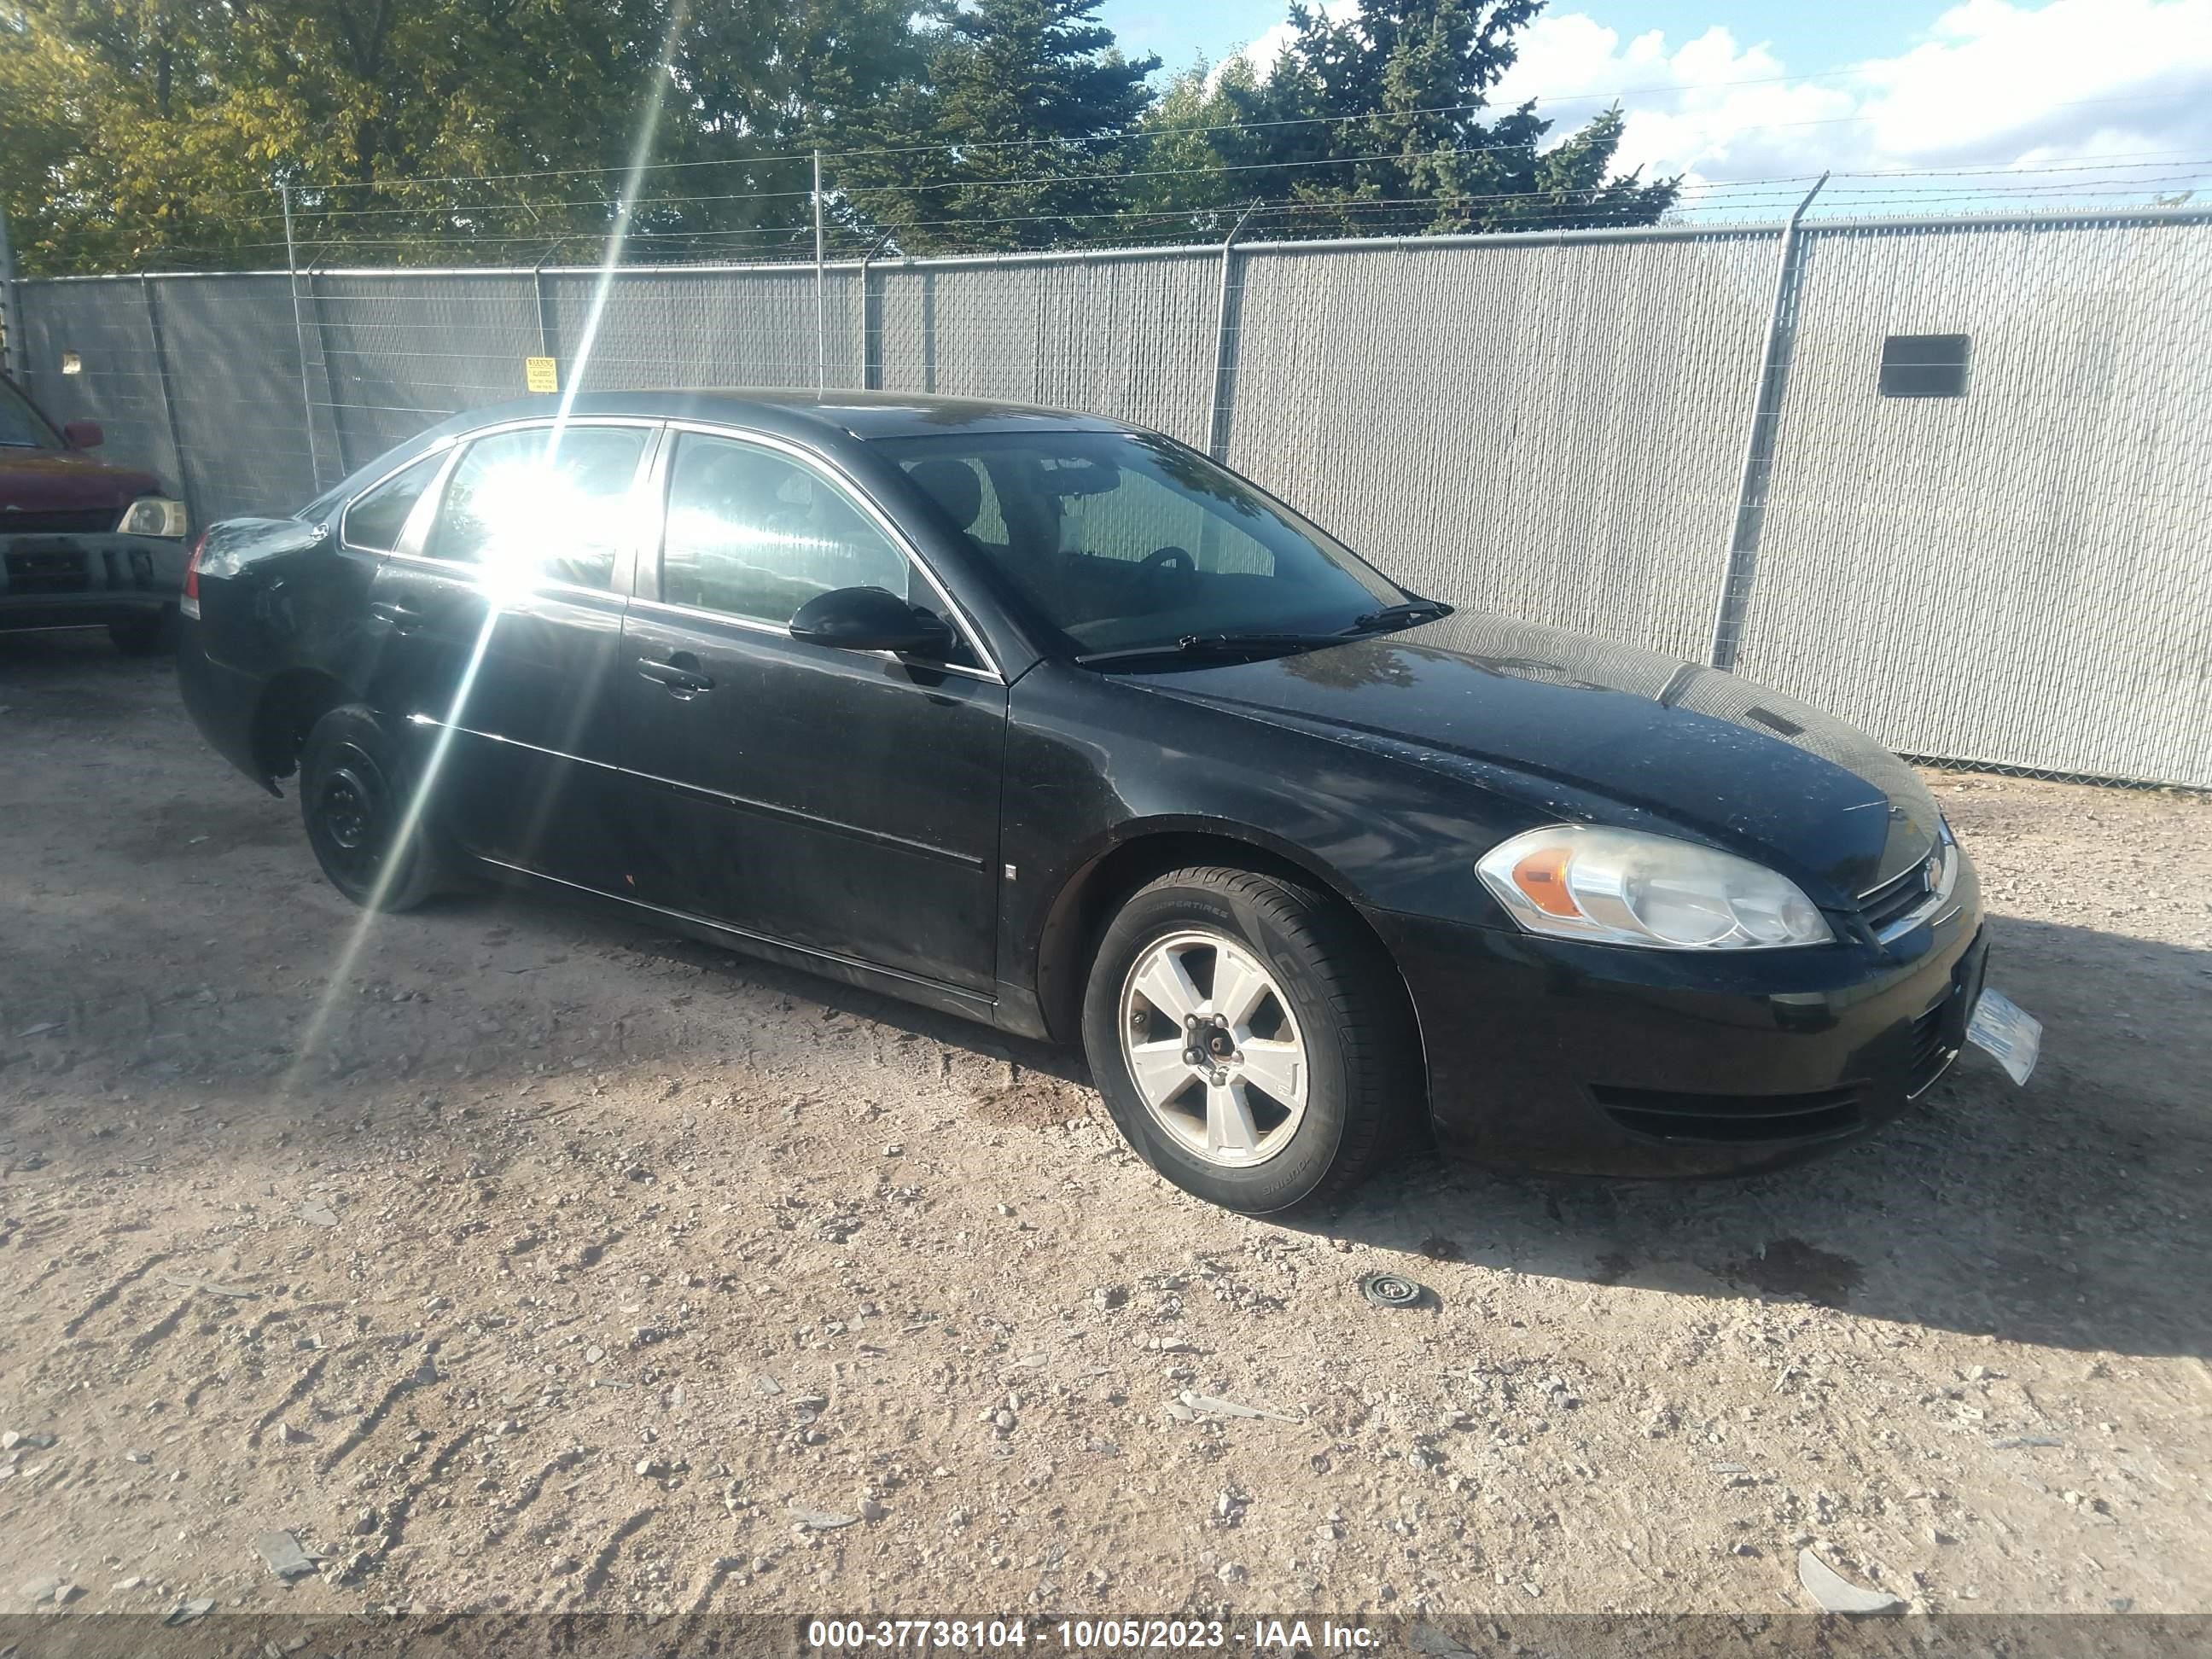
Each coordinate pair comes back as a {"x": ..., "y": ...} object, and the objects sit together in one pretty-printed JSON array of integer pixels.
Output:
[{"x": 1175, "y": 560}]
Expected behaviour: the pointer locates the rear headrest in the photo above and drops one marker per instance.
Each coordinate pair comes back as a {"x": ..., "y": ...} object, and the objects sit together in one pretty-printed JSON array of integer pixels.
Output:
[{"x": 953, "y": 486}]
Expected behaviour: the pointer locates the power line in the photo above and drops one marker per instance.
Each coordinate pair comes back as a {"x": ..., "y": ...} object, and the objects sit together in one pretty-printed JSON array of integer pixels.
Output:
[
  {"x": 1142, "y": 135},
  {"x": 2167, "y": 171}
]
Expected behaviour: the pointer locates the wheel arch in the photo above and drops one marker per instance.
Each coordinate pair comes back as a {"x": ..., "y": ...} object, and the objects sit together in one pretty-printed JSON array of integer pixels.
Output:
[
  {"x": 1095, "y": 888},
  {"x": 288, "y": 707}
]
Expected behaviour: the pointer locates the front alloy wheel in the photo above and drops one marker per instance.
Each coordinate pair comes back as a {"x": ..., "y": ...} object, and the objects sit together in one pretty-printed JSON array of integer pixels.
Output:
[
  {"x": 1213, "y": 1048},
  {"x": 1250, "y": 1037}
]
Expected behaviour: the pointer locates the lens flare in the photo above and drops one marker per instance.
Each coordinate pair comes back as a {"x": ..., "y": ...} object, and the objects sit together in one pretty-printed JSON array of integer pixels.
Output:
[{"x": 497, "y": 593}]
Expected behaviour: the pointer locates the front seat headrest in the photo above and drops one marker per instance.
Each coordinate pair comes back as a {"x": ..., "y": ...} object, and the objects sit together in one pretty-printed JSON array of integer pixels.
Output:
[{"x": 953, "y": 486}]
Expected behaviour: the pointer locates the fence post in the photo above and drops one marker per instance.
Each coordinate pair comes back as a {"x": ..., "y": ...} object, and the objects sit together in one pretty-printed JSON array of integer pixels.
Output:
[
  {"x": 330, "y": 374},
  {"x": 821, "y": 291},
  {"x": 1741, "y": 562},
  {"x": 538, "y": 288},
  {"x": 872, "y": 363},
  {"x": 300, "y": 337},
  {"x": 168, "y": 405},
  {"x": 1224, "y": 351},
  {"x": 16, "y": 358}
]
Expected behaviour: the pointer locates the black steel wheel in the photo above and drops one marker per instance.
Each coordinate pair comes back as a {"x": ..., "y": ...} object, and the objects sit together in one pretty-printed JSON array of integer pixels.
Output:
[{"x": 355, "y": 798}]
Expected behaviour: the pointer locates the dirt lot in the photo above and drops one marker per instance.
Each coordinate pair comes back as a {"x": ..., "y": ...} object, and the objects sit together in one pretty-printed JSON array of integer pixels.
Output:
[{"x": 557, "y": 1264}]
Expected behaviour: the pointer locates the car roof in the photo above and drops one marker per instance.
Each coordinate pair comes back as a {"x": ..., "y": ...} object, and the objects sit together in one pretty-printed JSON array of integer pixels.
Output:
[{"x": 863, "y": 414}]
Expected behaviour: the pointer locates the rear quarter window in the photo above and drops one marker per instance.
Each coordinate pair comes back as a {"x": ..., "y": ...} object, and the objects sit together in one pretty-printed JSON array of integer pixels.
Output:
[{"x": 376, "y": 518}]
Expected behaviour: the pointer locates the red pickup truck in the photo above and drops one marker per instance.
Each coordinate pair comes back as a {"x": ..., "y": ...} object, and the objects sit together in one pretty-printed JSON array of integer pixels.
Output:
[{"x": 83, "y": 543}]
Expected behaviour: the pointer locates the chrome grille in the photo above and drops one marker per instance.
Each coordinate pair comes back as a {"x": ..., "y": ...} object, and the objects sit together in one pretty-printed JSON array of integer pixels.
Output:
[{"x": 1899, "y": 898}]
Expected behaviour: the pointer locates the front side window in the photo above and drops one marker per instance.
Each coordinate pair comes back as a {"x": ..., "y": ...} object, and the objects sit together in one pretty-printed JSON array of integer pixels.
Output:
[
  {"x": 22, "y": 426},
  {"x": 754, "y": 534},
  {"x": 543, "y": 504},
  {"x": 1122, "y": 542},
  {"x": 375, "y": 520}
]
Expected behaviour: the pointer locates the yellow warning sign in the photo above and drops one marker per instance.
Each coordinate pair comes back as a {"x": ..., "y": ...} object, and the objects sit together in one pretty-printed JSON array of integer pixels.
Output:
[{"x": 539, "y": 374}]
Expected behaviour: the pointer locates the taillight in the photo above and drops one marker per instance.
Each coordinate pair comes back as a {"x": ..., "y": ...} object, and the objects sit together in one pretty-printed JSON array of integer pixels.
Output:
[
  {"x": 188, "y": 602},
  {"x": 192, "y": 568}
]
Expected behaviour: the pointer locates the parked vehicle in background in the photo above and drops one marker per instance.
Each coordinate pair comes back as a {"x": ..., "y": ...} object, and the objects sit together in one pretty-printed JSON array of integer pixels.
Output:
[
  {"x": 83, "y": 542},
  {"x": 1053, "y": 722}
]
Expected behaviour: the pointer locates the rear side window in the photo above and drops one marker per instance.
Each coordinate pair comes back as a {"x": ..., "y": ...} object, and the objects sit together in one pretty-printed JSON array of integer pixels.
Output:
[
  {"x": 529, "y": 508},
  {"x": 754, "y": 534},
  {"x": 375, "y": 520}
]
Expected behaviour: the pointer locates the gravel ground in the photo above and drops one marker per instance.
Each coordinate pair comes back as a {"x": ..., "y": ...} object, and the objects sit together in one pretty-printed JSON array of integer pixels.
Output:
[{"x": 527, "y": 1259}]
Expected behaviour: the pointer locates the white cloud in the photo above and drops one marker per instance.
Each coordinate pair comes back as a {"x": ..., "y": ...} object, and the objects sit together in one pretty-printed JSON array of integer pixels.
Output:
[
  {"x": 1261, "y": 53},
  {"x": 1993, "y": 85}
]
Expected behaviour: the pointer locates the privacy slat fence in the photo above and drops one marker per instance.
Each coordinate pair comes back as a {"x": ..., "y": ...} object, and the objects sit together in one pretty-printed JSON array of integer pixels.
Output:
[{"x": 1551, "y": 426}]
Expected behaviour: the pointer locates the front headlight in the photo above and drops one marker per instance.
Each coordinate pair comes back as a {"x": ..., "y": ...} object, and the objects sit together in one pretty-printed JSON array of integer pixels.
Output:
[
  {"x": 1623, "y": 887},
  {"x": 152, "y": 515}
]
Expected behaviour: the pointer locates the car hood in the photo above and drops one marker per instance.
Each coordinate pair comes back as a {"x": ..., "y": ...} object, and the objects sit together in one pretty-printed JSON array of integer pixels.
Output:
[
  {"x": 1749, "y": 767},
  {"x": 60, "y": 480}
]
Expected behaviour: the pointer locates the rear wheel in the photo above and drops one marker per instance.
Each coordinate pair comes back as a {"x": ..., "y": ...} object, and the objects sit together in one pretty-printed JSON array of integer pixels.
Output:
[
  {"x": 1250, "y": 1039},
  {"x": 148, "y": 633},
  {"x": 355, "y": 798}
]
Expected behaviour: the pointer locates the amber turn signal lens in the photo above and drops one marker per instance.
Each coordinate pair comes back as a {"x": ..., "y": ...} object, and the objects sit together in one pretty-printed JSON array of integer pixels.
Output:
[{"x": 1543, "y": 877}]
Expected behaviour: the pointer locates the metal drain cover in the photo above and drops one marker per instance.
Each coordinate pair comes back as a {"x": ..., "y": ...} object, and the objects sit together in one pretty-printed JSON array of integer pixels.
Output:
[{"x": 1392, "y": 1291}]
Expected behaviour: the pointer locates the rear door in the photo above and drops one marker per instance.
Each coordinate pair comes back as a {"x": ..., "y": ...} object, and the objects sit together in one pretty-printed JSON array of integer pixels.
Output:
[
  {"x": 843, "y": 802},
  {"x": 501, "y": 628}
]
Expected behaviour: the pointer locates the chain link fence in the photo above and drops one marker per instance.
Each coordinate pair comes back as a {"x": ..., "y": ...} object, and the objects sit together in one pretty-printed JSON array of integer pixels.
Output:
[{"x": 1972, "y": 517}]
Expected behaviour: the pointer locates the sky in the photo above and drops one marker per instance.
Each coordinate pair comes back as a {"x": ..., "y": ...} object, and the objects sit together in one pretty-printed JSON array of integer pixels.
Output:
[{"x": 1913, "y": 104}]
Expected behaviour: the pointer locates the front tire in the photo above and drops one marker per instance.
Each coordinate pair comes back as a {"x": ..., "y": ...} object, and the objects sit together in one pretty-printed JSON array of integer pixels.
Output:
[
  {"x": 1250, "y": 1039},
  {"x": 356, "y": 796}
]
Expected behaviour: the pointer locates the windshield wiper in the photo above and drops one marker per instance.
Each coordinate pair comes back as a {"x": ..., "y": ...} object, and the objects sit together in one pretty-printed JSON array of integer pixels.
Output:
[
  {"x": 1415, "y": 609},
  {"x": 1213, "y": 645}
]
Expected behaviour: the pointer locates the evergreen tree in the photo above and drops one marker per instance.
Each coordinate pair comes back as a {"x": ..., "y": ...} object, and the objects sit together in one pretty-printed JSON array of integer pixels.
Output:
[
  {"x": 1013, "y": 138},
  {"x": 1373, "y": 124}
]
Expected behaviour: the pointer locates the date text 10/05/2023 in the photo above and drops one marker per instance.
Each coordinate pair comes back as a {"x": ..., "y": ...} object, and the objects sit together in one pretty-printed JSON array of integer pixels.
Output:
[{"x": 1081, "y": 1635}]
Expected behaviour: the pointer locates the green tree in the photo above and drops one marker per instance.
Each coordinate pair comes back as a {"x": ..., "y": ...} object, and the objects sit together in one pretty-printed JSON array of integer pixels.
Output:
[
  {"x": 1187, "y": 161},
  {"x": 1010, "y": 137},
  {"x": 154, "y": 131},
  {"x": 1372, "y": 123}
]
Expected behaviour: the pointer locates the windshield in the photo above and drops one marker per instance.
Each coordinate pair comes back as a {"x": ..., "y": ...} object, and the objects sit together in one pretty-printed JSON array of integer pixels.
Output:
[
  {"x": 1117, "y": 541},
  {"x": 22, "y": 426}
]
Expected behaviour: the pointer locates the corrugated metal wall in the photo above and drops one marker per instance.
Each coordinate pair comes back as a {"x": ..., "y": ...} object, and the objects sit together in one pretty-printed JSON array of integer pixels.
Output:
[{"x": 1548, "y": 427}]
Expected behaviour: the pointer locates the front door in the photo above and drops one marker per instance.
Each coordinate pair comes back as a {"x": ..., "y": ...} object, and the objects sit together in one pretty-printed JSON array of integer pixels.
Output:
[
  {"x": 504, "y": 634},
  {"x": 846, "y": 803}
]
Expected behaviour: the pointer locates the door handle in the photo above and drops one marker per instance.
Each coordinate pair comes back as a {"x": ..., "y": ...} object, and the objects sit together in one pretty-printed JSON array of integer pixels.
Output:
[
  {"x": 680, "y": 674},
  {"x": 403, "y": 620}
]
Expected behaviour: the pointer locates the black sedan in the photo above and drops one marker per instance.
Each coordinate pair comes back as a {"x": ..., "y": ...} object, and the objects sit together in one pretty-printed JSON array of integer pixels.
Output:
[{"x": 1052, "y": 722}]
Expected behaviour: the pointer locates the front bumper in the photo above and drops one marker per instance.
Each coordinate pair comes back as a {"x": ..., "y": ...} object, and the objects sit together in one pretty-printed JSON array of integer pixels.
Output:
[
  {"x": 81, "y": 581},
  {"x": 1607, "y": 1059}
]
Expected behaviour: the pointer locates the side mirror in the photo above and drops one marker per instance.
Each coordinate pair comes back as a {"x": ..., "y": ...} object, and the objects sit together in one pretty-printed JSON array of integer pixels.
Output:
[
  {"x": 83, "y": 435},
  {"x": 870, "y": 619}
]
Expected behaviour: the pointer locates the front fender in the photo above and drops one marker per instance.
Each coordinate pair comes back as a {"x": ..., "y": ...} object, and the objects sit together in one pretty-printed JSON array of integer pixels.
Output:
[{"x": 1095, "y": 764}]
